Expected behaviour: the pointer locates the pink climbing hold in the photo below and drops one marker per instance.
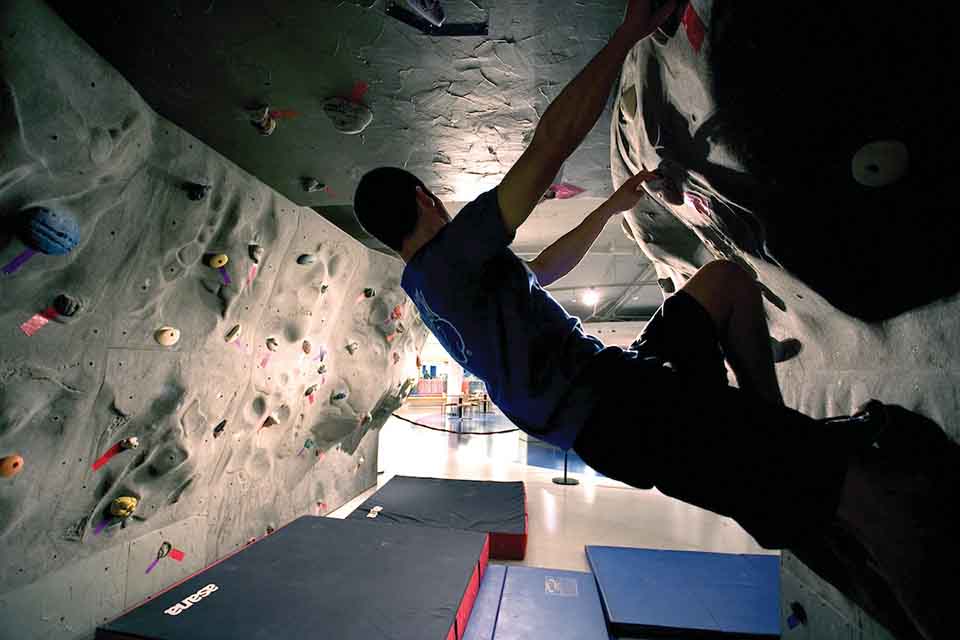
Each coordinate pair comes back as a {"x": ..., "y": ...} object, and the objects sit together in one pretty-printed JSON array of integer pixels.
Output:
[{"x": 564, "y": 191}]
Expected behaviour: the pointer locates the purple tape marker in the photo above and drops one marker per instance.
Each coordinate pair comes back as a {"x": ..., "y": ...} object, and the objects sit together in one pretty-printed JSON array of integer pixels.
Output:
[
  {"x": 152, "y": 565},
  {"x": 226, "y": 276},
  {"x": 103, "y": 525},
  {"x": 14, "y": 265}
]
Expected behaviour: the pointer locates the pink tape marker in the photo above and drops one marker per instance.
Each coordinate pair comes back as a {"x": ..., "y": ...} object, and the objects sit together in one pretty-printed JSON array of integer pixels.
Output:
[
  {"x": 38, "y": 321},
  {"x": 226, "y": 276},
  {"x": 251, "y": 274},
  {"x": 105, "y": 458},
  {"x": 265, "y": 361},
  {"x": 310, "y": 398},
  {"x": 14, "y": 265}
]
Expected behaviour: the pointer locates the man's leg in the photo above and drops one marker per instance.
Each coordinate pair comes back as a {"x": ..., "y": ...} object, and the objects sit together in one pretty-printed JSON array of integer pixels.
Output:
[{"x": 732, "y": 298}]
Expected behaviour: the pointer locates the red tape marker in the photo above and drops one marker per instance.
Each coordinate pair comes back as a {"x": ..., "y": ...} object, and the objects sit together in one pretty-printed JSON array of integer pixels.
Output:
[
  {"x": 284, "y": 113},
  {"x": 177, "y": 554},
  {"x": 38, "y": 321},
  {"x": 105, "y": 458},
  {"x": 359, "y": 90},
  {"x": 696, "y": 32}
]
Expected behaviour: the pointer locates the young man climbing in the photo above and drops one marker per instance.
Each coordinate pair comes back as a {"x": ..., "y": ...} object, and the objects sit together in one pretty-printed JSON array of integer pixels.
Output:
[{"x": 659, "y": 414}]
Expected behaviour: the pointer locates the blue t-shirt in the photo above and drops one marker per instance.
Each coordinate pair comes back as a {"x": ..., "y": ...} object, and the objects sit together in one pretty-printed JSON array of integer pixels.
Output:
[{"x": 490, "y": 313}]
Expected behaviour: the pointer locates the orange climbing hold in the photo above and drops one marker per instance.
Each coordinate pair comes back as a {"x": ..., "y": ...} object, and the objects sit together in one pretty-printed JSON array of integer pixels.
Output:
[{"x": 10, "y": 466}]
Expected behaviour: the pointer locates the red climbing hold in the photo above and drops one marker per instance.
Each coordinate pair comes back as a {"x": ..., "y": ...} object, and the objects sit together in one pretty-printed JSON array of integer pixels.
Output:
[{"x": 696, "y": 32}]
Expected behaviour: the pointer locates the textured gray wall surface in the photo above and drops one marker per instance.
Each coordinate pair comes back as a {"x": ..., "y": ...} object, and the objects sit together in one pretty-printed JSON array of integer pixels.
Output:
[{"x": 75, "y": 137}]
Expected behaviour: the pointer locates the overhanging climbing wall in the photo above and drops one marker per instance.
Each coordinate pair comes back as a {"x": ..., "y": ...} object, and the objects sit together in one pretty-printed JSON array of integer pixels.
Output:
[{"x": 253, "y": 387}]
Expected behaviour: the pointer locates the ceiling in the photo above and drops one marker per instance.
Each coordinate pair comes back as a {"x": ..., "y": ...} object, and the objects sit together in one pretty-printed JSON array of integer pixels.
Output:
[{"x": 456, "y": 111}]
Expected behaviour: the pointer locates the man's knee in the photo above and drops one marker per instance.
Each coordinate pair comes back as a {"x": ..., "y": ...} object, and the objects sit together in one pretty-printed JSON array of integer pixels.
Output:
[{"x": 719, "y": 286}]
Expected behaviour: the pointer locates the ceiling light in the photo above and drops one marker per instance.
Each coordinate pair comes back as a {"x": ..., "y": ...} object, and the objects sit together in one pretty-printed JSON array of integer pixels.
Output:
[{"x": 591, "y": 297}]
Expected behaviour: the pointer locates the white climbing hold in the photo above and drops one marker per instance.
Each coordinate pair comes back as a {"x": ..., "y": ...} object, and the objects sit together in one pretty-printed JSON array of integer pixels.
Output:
[
  {"x": 307, "y": 347},
  {"x": 352, "y": 347},
  {"x": 272, "y": 344},
  {"x": 880, "y": 163},
  {"x": 130, "y": 443},
  {"x": 348, "y": 117},
  {"x": 310, "y": 185},
  {"x": 310, "y": 390},
  {"x": 167, "y": 336},
  {"x": 256, "y": 252},
  {"x": 233, "y": 334},
  {"x": 306, "y": 258}
]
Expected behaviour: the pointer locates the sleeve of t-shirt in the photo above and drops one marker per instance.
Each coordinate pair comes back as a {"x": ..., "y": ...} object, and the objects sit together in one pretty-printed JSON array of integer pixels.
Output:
[{"x": 477, "y": 233}]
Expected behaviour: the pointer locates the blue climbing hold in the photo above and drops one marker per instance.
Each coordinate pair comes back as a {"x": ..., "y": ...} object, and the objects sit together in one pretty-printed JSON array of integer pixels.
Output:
[{"x": 54, "y": 233}]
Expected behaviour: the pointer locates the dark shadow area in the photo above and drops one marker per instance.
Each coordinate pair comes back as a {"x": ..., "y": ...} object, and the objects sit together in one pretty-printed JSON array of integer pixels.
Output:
[
  {"x": 799, "y": 90},
  {"x": 897, "y": 555}
]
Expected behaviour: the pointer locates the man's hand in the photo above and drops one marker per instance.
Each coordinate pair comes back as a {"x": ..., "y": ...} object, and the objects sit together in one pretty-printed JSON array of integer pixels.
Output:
[
  {"x": 629, "y": 194},
  {"x": 641, "y": 21}
]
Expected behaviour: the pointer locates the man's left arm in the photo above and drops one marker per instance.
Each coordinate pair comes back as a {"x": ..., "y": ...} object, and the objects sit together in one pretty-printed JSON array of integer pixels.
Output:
[{"x": 562, "y": 256}]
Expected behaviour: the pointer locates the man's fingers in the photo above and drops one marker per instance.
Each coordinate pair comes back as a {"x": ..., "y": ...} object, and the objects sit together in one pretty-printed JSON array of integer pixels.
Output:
[{"x": 661, "y": 15}]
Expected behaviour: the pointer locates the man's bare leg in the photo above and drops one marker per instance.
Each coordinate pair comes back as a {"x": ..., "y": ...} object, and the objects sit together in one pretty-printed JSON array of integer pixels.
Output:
[{"x": 733, "y": 300}]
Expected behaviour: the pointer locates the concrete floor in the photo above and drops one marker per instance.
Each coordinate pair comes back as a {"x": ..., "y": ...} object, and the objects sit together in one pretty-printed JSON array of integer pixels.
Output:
[{"x": 562, "y": 519}]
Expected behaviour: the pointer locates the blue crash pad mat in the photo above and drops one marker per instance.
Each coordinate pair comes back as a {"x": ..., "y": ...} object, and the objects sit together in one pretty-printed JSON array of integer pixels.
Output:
[
  {"x": 647, "y": 590},
  {"x": 548, "y": 603},
  {"x": 483, "y": 618}
]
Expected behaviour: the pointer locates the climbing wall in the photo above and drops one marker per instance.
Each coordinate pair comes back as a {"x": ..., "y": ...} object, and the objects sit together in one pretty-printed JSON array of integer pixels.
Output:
[
  {"x": 784, "y": 146},
  {"x": 187, "y": 360}
]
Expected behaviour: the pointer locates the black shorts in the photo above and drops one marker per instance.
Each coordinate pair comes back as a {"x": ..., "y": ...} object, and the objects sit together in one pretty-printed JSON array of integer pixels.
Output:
[{"x": 666, "y": 417}]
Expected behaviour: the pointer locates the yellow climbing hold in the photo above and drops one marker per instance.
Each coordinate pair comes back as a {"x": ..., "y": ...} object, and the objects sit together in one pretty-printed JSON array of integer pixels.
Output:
[
  {"x": 218, "y": 260},
  {"x": 167, "y": 336},
  {"x": 123, "y": 506}
]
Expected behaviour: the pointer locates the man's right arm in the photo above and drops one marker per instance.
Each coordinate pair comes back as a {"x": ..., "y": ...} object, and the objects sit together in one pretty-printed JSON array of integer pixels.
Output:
[{"x": 570, "y": 117}]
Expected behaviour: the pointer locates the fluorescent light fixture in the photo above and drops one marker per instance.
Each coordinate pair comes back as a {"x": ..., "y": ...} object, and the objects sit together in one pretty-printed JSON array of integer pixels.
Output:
[{"x": 591, "y": 297}]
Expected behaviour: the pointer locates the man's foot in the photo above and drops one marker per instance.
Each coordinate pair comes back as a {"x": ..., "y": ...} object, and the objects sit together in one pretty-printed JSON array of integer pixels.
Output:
[{"x": 784, "y": 350}]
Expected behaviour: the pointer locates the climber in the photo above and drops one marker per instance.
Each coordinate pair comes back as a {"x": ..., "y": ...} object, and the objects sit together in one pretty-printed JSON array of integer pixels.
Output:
[{"x": 659, "y": 414}]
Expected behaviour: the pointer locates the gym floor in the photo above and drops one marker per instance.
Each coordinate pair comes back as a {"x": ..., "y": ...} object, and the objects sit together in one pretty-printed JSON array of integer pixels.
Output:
[{"x": 562, "y": 518}]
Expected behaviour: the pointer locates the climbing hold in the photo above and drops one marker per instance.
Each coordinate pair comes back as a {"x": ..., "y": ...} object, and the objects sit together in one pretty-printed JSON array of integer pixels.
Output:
[
  {"x": 339, "y": 395},
  {"x": 306, "y": 258},
  {"x": 397, "y": 313},
  {"x": 217, "y": 430},
  {"x": 311, "y": 185},
  {"x": 54, "y": 233},
  {"x": 256, "y": 252},
  {"x": 123, "y": 506},
  {"x": 196, "y": 191},
  {"x": 667, "y": 285},
  {"x": 366, "y": 418},
  {"x": 369, "y": 292},
  {"x": 323, "y": 288},
  {"x": 270, "y": 529},
  {"x": 272, "y": 344},
  {"x": 352, "y": 347},
  {"x": 347, "y": 116},
  {"x": 233, "y": 334},
  {"x": 270, "y": 421},
  {"x": 307, "y": 347},
  {"x": 396, "y": 358},
  {"x": 322, "y": 369},
  {"x": 66, "y": 305},
  {"x": 217, "y": 260},
  {"x": 880, "y": 163},
  {"x": 167, "y": 336},
  {"x": 132, "y": 442},
  {"x": 310, "y": 390},
  {"x": 400, "y": 327},
  {"x": 262, "y": 120},
  {"x": 10, "y": 466}
]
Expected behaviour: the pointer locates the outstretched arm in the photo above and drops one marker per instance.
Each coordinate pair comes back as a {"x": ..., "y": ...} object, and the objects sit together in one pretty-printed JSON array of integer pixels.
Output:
[
  {"x": 571, "y": 116},
  {"x": 562, "y": 256}
]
